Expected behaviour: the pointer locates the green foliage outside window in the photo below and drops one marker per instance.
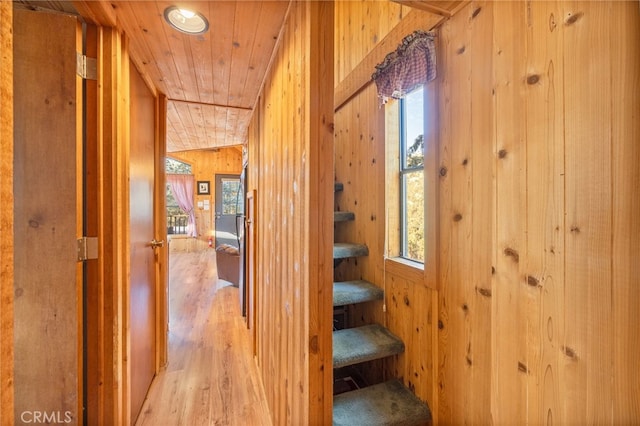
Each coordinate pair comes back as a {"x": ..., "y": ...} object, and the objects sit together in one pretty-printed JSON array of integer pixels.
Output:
[
  {"x": 414, "y": 215},
  {"x": 230, "y": 198},
  {"x": 412, "y": 176}
]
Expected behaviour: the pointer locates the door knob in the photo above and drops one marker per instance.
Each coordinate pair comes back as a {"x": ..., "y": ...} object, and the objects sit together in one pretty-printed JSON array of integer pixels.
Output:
[{"x": 155, "y": 243}]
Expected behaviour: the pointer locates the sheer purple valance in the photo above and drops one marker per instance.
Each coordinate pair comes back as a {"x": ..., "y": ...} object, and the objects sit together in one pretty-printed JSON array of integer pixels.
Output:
[{"x": 413, "y": 63}]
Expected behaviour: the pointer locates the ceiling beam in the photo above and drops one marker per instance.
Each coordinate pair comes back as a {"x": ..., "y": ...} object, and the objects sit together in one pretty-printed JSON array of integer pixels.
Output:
[
  {"x": 97, "y": 12},
  {"x": 212, "y": 105},
  {"x": 442, "y": 8}
]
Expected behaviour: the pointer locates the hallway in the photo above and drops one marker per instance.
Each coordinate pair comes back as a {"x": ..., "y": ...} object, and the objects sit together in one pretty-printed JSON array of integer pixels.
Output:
[{"x": 211, "y": 378}]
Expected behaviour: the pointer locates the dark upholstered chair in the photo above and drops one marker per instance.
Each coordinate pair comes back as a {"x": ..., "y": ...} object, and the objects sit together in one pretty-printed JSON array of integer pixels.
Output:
[{"x": 228, "y": 263}]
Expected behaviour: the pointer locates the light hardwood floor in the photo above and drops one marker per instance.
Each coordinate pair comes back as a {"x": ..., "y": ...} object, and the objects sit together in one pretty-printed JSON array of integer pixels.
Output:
[{"x": 211, "y": 378}]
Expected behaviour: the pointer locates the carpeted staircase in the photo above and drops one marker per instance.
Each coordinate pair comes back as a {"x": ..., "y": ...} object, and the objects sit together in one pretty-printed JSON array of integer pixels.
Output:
[{"x": 388, "y": 403}]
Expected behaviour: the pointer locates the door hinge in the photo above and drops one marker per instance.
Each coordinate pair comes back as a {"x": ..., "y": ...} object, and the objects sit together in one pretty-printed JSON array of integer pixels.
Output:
[
  {"x": 86, "y": 68},
  {"x": 87, "y": 248}
]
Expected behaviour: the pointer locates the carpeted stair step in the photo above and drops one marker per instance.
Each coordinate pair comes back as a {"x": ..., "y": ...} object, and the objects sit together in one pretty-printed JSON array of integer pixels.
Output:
[
  {"x": 361, "y": 344},
  {"x": 343, "y": 216},
  {"x": 345, "y": 250},
  {"x": 388, "y": 403},
  {"x": 358, "y": 291}
]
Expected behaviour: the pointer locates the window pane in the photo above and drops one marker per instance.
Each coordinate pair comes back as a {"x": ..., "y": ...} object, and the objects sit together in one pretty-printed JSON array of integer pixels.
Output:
[
  {"x": 176, "y": 167},
  {"x": 230, "y": 189},
  {"x": 413, "y": 216},
  {"x": 413, "y": 125}
]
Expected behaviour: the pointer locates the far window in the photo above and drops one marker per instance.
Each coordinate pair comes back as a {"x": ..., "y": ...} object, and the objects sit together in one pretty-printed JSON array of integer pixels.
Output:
[
  {"x": 177, "y": 219},
  {"x": 231, "y": 202},
  {"x": 412, "y": 191}
]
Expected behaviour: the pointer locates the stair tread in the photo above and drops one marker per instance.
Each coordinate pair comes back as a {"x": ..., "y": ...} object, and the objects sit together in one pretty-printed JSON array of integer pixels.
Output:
[
  {"x": 343, "y": 216},
  {"x": 388, "y": 403},
  {"x": 357, "y": 291},
  {"x": 344, "y": 250},
  {"x": 361, "y": 344}
]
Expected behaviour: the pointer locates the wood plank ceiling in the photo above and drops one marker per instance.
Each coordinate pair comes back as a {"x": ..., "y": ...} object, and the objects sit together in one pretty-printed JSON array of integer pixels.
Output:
[{"x": 212, "y": 80}]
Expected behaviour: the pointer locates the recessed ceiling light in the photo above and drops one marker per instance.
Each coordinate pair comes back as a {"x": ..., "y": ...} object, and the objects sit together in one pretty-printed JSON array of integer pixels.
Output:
[{"x": 186, "y": 21}]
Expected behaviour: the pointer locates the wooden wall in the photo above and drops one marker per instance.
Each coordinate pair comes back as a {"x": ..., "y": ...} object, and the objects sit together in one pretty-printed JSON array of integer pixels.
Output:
[
  {"x": 555, "y": 123},
  {"x": 538, "y": 228},
  {"x": 6, "y": 213},
  {"x": 291, "y": 168},
  {"x": 205, "y": 165},
  {"x": 359, "y": 27},
  {"x": 411, "y": 306}
]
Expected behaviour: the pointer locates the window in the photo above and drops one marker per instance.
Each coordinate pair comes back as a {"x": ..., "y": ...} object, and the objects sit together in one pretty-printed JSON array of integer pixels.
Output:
[
  {"x": 412, "y": 189},
  {"x": 406, "y": 82},
  {"x": 411, "y": 179},
  {"x": 177, "y": 220},
  {"x": 231, "y": 202}
]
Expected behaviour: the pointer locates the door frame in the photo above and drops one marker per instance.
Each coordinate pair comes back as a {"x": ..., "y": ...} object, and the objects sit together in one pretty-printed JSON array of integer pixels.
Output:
[
  {"x": 111, "y": 277},
  {"x": 6, "y": 213},
  {"x": 251, "y": 239}
]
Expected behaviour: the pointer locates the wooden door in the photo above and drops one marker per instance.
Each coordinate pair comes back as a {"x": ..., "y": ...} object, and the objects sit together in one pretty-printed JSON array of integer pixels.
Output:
[
  {"x": 143, "y": 297},
  {"x": 48, "y": 219}
]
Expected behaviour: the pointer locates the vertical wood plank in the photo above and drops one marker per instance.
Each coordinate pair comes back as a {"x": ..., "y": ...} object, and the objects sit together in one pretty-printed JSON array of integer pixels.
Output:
[
  {"x": 46, "y": 212},
  {"x": 82, "y": 97},
  {"x": 320, "y": 168},
  {"x": 6, "y": 213},
  {"x": 482, "y": 212},
  {"x": 457, "y": 217},
  {"x": 588, "y": 146},
  {"x": 543, "y": 279},
  {"x": 93, "y": 296},
  {"x": 160, "y": 231},
  {"x": 124, "y": 217},
  {"x": 445, "y": 255},
  {"x": 285, "y": 286},
  {"x": 625, "y": 113},
  {"x": 509, "y": 301},
  {"x": 107, "y": 122},
  {"x": 297, "y": 68}
]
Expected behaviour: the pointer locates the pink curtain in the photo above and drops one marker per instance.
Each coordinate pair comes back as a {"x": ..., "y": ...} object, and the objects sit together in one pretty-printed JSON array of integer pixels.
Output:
[{"x": 182, "y": 189}]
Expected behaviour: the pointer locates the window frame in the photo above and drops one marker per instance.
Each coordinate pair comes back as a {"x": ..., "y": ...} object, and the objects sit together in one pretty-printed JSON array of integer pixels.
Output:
[
  {"x": 404, "y": 171},
  {"x": 425, "y": 273}
]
